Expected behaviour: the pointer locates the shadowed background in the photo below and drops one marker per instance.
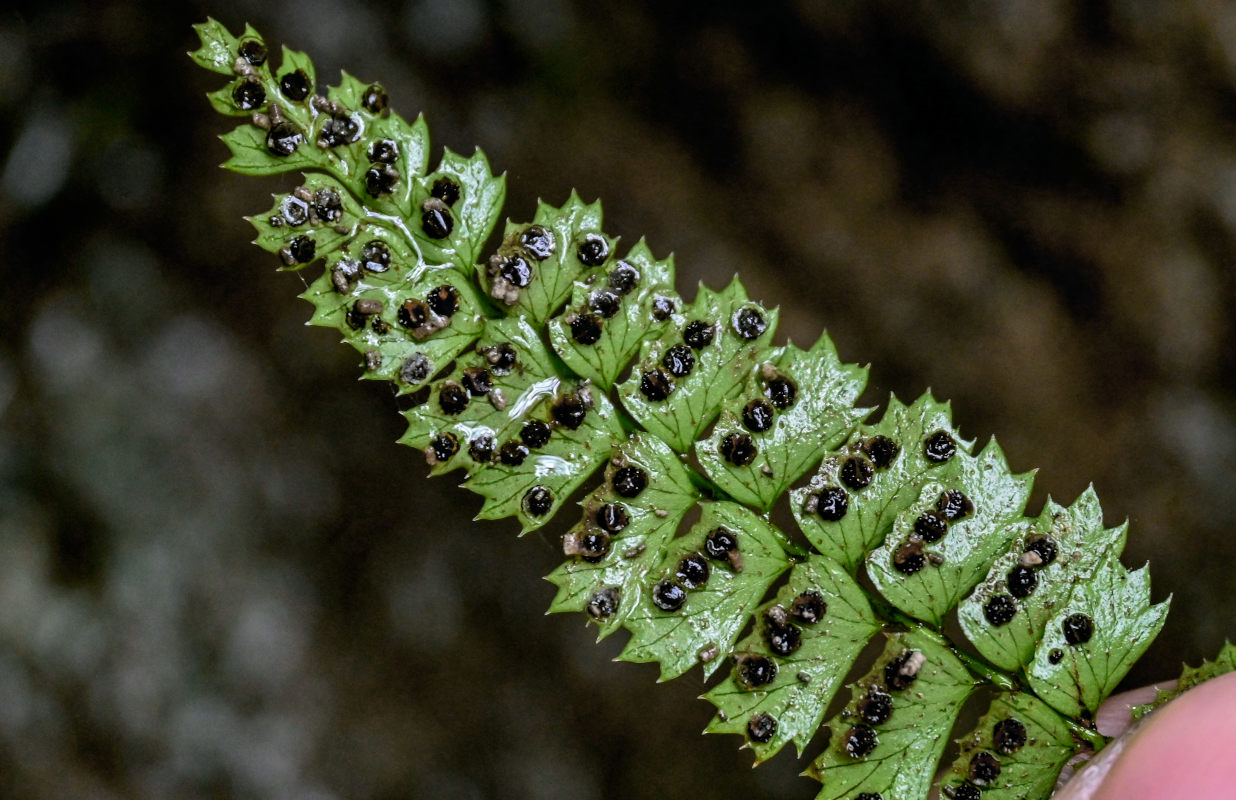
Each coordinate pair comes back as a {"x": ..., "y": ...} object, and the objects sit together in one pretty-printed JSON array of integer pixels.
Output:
[{"x": 220, "y": 577}]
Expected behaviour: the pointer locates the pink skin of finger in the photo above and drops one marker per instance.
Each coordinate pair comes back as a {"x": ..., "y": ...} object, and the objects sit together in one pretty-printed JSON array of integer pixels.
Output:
[{"x": 1184, "y": 751}]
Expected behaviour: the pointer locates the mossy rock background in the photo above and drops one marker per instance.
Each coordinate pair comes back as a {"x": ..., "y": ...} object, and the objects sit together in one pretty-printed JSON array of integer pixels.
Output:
[{"x": 220, "y": 578}]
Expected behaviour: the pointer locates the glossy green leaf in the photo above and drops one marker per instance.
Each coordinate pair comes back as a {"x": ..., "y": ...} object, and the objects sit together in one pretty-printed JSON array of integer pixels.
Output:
[
  {"x": 624, "y": 314},
  {"x": 1082, "y": 545},
  {"x": 818, "y": 414},
  {"x": 394, "y": 350},
  {"x": 396, "y": 195},
  {"x": 869, "y": 512},
  {"x": 955, "y": 563},
  {"x": 510, "y": 358},
  {"x": 412, "y": 145},
  {"x": 223, "y": 100},
  {"x": 807, "y": 678},
  {"x": 218, "y": 50},
  {"x": 1116, "y": 604},
  {"x": 655, "y": 513},
  {"x": 908, "y": 744},
  {"x": 708, "y": 623},
  {"x": 320, "y": 211},
  {"x": 291, "y": 61},
  {"x": 1029, "y": 743},
  {"x": 473, "y": 215},
  {"x": 250, "y": 145},
  {"x": 717, "y": 371},
  {"x": 536, "y": 265},
  {"x": 1222, "y": 664},
  {"x": 560, "y": 466},
  {"x": 251, "y": 156}
]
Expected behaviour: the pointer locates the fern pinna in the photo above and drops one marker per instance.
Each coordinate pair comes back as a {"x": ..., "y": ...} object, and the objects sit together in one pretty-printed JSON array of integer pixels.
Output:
[{"x": 559, "y": 354}]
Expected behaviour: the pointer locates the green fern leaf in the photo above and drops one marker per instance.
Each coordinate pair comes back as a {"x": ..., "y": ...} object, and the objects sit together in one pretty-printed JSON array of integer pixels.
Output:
[
  {"x": 1092, "y": 640},
  {"x": 619, "y": 302},
  {"x": 1014, "y": 752},
  {"x": 558, "y": 468},
  {"x": 1222, "y": 664},
  {"x": 407, "y": 318},
  {"x": 649, "y": 492},
  {"x": 535, "y": 267},
  {"x": 527, "y": 433},
  {"x": 314, "y": 221},
  {"x": 1074, "y": 543},
  {"x": 773, "y": 432},
  {"x": 706, "y": 617},
  {"x": 844, "y": 522},
  {"x": 220, "y": 49},
  {"x": 699, "y": 361},
  {"x": 478, "y": 407},
  {"x": 887, "y": 741},
  {"x": 823, "y": 618},
  {"x": 926, "y": 579}
]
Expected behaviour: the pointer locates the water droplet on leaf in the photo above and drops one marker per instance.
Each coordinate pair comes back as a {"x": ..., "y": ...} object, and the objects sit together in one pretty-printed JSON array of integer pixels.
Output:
[
  {"x": 538, "y": 241},
  {"x": 283, "y": 138},
  {"x": 860, "y": 741},
  {"x": 931, "y": 526},
  {"x": 623, "y": 278},
  {"x": 692, "y": 571},
  {"x": 375, "y": 100},
  {"x": 538, "y": 501},
  {"x": 569, "y": 412},
  {"x": 984, "y": 768},
  {"x": 512, "y": 454},
  {"x": 593, "y": 250},
  {"x": 612, "y": 517},
  {"x": 446, "y": 190},
  {"x": 628, "y": 482},
  {"x": 1021, "y": 581},
  {"x": 534, "y": 434},
  {"x": 762, "y": 727},
  {"x": 253, "y": 51},
  {"x": 656, "y": 385},
  {"x": 954, "y": 505},
  {"x": 604, "y": 603},
  {"x": 753, "y": 672},
  {"x": 384, "y": 151},
  {"x": 882, "y": 451},
  {"x": 809, "y": 607},
  {"x": 876, "y": 707}
]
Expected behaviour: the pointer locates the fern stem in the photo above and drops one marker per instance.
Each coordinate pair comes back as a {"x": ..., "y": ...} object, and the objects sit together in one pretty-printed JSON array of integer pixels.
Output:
[
  {"x": 706, "y": 487},
  {"x": 1081, "y": 733},
  {"x": 988, "y": 672}
]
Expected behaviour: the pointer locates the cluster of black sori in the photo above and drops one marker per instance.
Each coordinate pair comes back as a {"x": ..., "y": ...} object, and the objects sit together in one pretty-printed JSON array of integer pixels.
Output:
[{"x": 483, "y": 398}]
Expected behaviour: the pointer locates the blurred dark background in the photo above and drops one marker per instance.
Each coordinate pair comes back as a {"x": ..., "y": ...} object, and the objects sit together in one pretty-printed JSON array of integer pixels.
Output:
[{"x": 220, "y": 577}]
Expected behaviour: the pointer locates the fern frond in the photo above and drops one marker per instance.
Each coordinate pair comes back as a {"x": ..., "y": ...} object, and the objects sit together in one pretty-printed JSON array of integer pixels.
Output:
[{"x": 554, "y": 356}]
